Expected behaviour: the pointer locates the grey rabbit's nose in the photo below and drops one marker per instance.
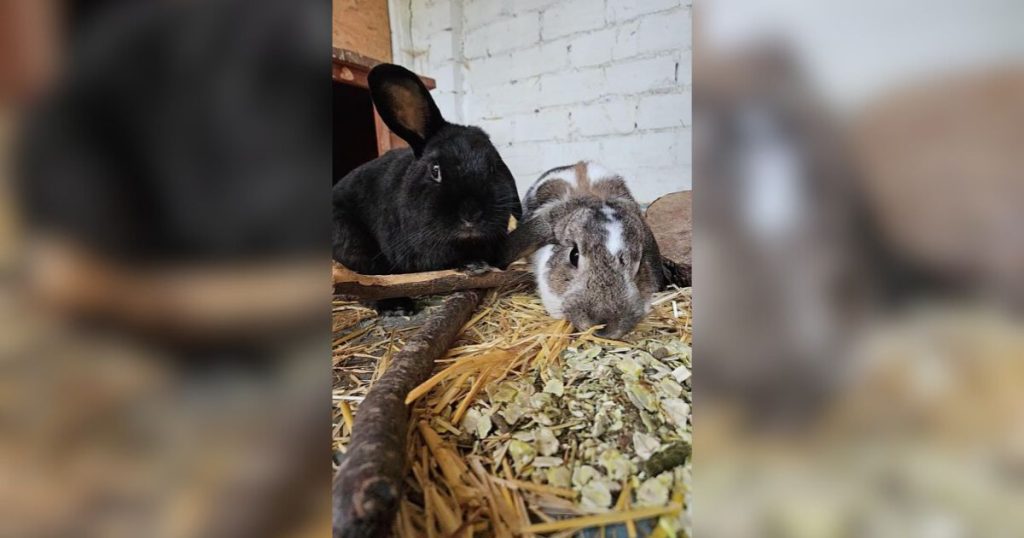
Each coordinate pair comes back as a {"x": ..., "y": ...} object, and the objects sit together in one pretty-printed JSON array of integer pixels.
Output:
[{"x": 609, "y": 330}]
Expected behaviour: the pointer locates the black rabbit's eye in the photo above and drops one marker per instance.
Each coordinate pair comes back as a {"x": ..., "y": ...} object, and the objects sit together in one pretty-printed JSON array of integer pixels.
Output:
[
  {"x": 435, "y": 172},
  {"x": 574, "y": 256}
]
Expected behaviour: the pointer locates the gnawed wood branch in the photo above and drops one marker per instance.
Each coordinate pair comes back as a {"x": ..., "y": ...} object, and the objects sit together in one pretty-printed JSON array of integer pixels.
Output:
[
  {"x": 368, "y": 486},
  {"x": 376, "y": 287}
]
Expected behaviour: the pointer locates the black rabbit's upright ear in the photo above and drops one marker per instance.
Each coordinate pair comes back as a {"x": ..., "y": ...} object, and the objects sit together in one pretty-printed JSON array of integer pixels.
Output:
[{"x": 404, "y": 104}]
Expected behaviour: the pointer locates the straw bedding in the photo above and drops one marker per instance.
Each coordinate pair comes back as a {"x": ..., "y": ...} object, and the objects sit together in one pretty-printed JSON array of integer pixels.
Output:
[{"x": 530, "y": 428}]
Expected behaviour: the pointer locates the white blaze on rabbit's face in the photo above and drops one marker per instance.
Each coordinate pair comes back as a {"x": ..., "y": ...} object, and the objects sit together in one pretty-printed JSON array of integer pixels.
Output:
[
  {"x": 591, "y": 272},
  {"x": 613, "y": 231}
]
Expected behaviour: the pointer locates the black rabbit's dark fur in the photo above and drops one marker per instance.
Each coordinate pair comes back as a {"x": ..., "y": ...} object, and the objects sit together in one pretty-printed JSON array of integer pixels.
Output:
[{"x": 390, "y": 216}]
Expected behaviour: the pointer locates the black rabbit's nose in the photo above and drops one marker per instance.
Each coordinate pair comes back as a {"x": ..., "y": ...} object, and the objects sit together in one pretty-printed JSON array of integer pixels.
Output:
[{"x": 470, "y": 215}]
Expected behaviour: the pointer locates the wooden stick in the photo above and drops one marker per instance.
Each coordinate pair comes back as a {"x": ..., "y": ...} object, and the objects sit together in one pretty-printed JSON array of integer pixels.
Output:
[
  {"x": 368, "y": 486},
  {"x": 376, "y": 287}
]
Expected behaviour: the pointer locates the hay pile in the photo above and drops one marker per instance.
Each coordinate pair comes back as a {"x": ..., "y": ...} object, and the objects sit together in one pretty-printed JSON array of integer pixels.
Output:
[{"x": 528, "y": 427}]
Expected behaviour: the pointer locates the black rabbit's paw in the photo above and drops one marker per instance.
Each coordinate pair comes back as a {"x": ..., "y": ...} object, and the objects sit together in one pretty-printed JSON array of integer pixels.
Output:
[
  {"x": 402, "y": 306},
  {"x": 476, "y": 268}
]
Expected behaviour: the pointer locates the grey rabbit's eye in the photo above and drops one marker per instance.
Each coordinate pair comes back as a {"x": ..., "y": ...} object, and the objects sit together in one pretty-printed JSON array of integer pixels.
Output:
[
  {"x": 435, "y": 172},
  {"x": 574, "y": 256}
]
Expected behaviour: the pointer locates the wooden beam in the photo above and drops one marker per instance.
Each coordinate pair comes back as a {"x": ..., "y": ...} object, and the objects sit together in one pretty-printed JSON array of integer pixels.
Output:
[
  {"x": 351, "y": 68},
  {"x": 376, "y": 287},
  {"x": 353, "y": 75}
]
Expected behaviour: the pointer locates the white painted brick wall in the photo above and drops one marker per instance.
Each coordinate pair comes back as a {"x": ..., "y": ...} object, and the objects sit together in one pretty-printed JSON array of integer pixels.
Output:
[
  {"x": 556, "y": 81},
  {"x": 621, "y": 10},
  {"x": 572, "y": 16},
  {"x": 503, "y": 34},
  {"x": 611, "y": 117},
  {"x": 664, "y": 110}
]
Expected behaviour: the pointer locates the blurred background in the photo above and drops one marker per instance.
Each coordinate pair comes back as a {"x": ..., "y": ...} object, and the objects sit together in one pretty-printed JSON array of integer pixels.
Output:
[
  {"x": 164, "y": 270},
  {"x": 859, "y": 268}
]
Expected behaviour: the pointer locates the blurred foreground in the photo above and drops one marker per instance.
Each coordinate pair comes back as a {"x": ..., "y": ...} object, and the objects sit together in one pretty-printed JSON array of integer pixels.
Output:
[
  {"x": 859, "y": 269},
  {"x": 164, "y": 275}
]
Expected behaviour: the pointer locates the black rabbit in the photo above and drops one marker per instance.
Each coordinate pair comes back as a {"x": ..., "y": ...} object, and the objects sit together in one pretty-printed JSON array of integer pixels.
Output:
[{"x": 442, "y": 203}]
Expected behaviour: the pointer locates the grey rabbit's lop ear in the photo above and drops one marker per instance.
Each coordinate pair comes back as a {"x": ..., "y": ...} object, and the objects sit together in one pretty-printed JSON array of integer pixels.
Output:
[
  {"x": 526, "y": 239},
  {"x": 405, "y": 105}
]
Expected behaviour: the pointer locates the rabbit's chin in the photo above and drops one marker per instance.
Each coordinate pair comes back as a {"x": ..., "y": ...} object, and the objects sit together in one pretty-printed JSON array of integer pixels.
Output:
[
  {"x": 473, "y": 236},
  {"x": 479, "y": 236}
]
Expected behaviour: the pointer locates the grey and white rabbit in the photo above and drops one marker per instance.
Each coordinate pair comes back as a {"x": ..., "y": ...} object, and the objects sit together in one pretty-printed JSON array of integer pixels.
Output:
[{"x": 595, "y": 259}]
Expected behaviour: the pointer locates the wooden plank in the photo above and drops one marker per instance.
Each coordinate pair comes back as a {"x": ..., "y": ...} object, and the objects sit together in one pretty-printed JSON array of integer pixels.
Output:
[
  {"x": 362, "y": 26},
  {"x": 352, "y": 57},
  {"x": 351, "y": 68},
  {"x": 375, "y": 287},
  {"x": 352, "y": 74}
]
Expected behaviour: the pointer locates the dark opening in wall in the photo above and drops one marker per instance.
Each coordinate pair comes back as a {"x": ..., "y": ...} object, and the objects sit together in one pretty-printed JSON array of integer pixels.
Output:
[{"x": 355, "y": 133}]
